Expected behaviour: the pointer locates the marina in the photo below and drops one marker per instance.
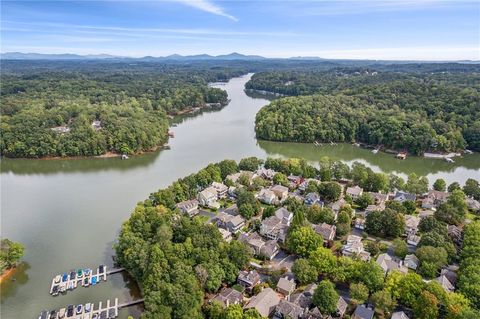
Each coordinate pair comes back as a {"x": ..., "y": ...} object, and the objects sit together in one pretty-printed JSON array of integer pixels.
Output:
[
  {"x": 81, "y": 277},
  {"x": 107, "y": 310}
]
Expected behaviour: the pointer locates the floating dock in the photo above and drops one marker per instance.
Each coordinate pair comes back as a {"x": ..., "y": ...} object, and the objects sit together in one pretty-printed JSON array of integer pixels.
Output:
[
  {"x": 63, "y": 283},
  {"x": 101, "y": 311}
]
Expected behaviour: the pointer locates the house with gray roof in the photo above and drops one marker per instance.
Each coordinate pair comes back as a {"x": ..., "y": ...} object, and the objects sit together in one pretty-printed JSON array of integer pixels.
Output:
[
  {"x": 260, "y": 247},
  {"x": 229, "y": 296},
  {"x": 287, "y": 309},
  {"x": 276, "y": 227},
  {"x": 362, "y": 312},
  {"x": 267, "y": 196},
  {"x": 280, "y": 191},
  {"x": 411, "y": 224},
  {"x": 286, "y": 286},
  {"x": 188, "y": 207},
  {"x": 354, "y": 192},
  {"x": 232, "y": 223},
  {"x": 445, "y": 283},
  {"x": 325, "y": 230},
  {"x": 265, "y": 302},
  {"x": 411, "y": 261},
  {"x": 248, "y": 279},
  {"x": 404, "y": 196},
  {"x": 399, "y": 315},
  {"x": 388, "y": 264}
]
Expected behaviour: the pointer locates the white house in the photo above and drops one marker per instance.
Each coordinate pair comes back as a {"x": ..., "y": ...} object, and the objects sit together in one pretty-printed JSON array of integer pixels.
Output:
[{"x": 207, "y": 197}]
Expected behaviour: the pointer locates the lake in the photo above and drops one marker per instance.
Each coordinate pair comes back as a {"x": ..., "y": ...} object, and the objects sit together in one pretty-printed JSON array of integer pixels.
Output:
[{"x": 68, "y": 213}]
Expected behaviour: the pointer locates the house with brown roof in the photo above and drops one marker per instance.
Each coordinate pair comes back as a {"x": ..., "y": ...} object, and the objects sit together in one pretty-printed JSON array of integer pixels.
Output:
[
  {"x": 248, "y": 279},
  {"x": 288, "y": 309},
  {"x": 388, "y": 264},
  {"x": 286, "y": 286},
  {"x": 276, "y": 227},
  {"x": 188, "y": 207},
  {"x": 260, "y": 247},
  {"x": 267, "y": 196},
  {"x": 326, "y": 231},
  {"x": 411, "y": 224},
  {"x": 232, "y": 223},
  {"x": 280, "y": 191},
  {"x": 354, "y": 192},
  {"x": 411, "y": 261},
  {"x": 221, "y": 189}
]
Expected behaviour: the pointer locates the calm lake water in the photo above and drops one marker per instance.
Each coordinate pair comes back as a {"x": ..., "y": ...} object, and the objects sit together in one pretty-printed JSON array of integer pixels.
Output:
[{"x": 68, "y": 212}]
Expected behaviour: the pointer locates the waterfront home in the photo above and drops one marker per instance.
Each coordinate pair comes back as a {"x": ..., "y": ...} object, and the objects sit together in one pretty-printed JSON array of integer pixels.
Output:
[
  {"x": 188, "y": 207},
  {"x": 445, "y": 283},
  {"x": 234, "y": 177},
  {"x": 303, "y": 186},
  {"x": 313, "y": 199},
  {"x": 388, "y": 264},
  {"x": 437, "y": 197},
  {"x": 411, "y": 224},
  {"x": 280, "y": 191},
  {"x": 221, "y": 189},
  {"x": 229, "y": 296},
  {"x": 294, "y": 181},
  {"x": 288, "y": 309},
  {"x": 404, "y": 196},
  {"x": 260, "y": 247},
  {"x": 399, "y": 315},
  {"x": 411, "y": 261},
  {"x": 413, "y": 240},
  {"x": 326, "y": 231},
  {"x": 265, "y": 302},
  {"x": 379, "y": 198},
  {"x": 207, "y": 197},
  {"x": 267, "y": 196},
  {"x": 265, "y": 173},
  {"x": 286, "y": 286},
  {"x": 473, "y": 205},
  {"x": 354, "y": 247},
  {"x": 248, "y": 279},
  {"x": 362, "y": 312},
  {"x": 232, "y": 223},
  {"x": 354, "y": 192}
]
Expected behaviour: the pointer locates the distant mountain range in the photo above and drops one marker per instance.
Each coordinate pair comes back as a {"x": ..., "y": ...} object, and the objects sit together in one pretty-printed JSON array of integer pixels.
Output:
[{"x": 69, "y": 56}]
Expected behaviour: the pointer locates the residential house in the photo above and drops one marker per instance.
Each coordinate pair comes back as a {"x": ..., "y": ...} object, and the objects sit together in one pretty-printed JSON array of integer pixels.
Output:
[
  {"x": 450, "y": 273},
  {"x": 411, "y": 261},
  {"x": 248, "y": 279},
  {"x": 265, "y": 302},
  {"x": 445, "y": 283},
  {"x": 234, "y": 177},
  {"x": 232, "y": 223},
  {"x": 259, "y": 246},
  {"x": 275, "y": 227},
  {"x": 304, "y": 185},
  {"x": 295, "y": 181},
  {"x": 413, "y": 240},
  {"x": 360, "y": 223},
  {"x": 473, "y": 205},
  {"x": 434, "y": 199},
  {"x": 304, "y": 299},
  {"x": 286, "y": 286},
  {"x": 341, "y": 307},
  {"x": 97, "y": 125},
  {"x": 221, "y": 189},
  {"x": 232, "y": 192},
  {"x": 354, "y": 192},
  {"x": 188, "y": 207},
  {"x": 411, "y": 224},
  {"x": 362, "y": 312},
  {"x": 313, "y": 199},
  {"x": 280, "y": 191},
  {"x": 399, "y": 315},
  {"x": 404, "y": 196},
  {"x": 379, "y": 198},
  {"x": 226, "y": 235},
  {"x": 354, "y": 247},
  {"x": 388, "y": 264},
  {"x": 287, "y": 309},
  {"x": 426, "y": 213},
  {"x": 208, "y": 197},
  {"x": 285, "y": 215},
  {"x": 265, "y": 173},
  {"x": 313, "y": 314},
  {"x": 326, "y": 231},
  {"x": 455, "y": 234},
  {"x": 229, "y": 296},
  {"x": 373, "y": 208},
  {"x": 336, "y": 206},
  {"x": 267, "y": 196}
]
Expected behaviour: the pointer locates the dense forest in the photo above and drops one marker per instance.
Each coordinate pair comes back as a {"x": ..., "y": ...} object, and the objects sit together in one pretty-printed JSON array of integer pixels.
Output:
[
  {"x": 91, "y": 110},
  {"x": 414, "y": 112}
]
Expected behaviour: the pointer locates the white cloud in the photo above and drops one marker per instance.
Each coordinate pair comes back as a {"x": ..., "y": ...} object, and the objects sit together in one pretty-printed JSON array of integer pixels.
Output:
[{"x": 207, "y": 6}]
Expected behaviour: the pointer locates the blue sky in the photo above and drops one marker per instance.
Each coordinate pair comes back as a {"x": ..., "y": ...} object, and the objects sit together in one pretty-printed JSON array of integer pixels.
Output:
[{"x": 425, "y": 30}]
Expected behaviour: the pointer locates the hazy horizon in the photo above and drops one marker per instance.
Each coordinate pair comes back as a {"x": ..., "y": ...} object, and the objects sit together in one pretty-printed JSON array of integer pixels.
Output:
[{"x": 426, "y": 30}]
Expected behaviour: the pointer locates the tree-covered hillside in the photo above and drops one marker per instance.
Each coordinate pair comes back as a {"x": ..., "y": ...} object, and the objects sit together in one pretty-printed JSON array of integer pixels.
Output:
[
  {"x": 90, "y": 110},
  {"x": 416, "y": 113}
]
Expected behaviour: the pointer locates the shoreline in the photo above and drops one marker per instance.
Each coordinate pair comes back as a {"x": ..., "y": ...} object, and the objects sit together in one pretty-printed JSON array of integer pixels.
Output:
[{"x": 9, "y": 272}]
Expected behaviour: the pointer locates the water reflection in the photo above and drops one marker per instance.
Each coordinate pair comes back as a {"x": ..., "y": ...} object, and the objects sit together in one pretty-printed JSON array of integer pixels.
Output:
[{"x": 10, "y": 285}]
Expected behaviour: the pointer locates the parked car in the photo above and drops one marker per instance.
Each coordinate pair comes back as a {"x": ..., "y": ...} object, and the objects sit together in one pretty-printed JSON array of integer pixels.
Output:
[
  {"x": 61, "y": 313},
  {"x": 57, "y": 279},
  {"x": 64, "y": 277},
  {"x": 70, "y": 309},
  {"x": 79, "y": 309}
]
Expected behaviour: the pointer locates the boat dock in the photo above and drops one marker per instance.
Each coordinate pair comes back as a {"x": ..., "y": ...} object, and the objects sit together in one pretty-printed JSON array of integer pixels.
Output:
[
  {"x": 106, "y": 310},
  {"x": 82, "y": 277}
]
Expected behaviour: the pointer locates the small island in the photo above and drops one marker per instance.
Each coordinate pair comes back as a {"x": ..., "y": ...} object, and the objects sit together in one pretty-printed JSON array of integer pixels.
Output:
[
  {"x": 10, "y": 254},
  {"x": 282, "y": 238}
]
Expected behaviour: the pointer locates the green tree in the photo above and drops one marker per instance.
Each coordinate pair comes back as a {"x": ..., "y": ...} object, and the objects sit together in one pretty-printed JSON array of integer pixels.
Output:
[
  {"x": 453, "y": 186},
  {"x": 472, "y": 188},
  {"x": 233, "y": 312},
  {"x": 431, "y": 259},
  {"x": 303, "y": 241},
  {"x": 400, "y": 248},
  {"x": 358, "y": 293},
  {"x": 426, "y": 306},
  {"x": 250, "y": 164},
  {"x": 330, "y": 191},
  {"x": 280, "y": 179},
  {"x": 323, "y": 260},
  {"x": 10, "y": 253},
  {"x": 325, "y": 297},
  {"x": 384, "y": 303},
  {"x": 440, "y": 185},
  {"x": 247, "y": 204},
  {"x": 409, "y": 288},
  {"x": 364, "y": 200},
  {"x": 252, "y": 313},
  {"x": 416, "y": 185},
  {"x": 371, "y": 274},
  {"x": 304, "y": 272}
]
